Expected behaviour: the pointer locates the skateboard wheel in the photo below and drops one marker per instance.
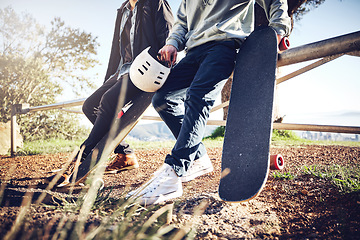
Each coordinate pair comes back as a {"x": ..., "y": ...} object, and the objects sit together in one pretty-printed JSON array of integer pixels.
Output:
[
  {"x": 276, "y": 162},
  {"x": 284, "y": 44}
]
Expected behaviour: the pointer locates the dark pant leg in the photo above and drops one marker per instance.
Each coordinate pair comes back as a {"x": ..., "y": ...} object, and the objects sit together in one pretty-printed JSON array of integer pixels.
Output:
[
  {"x": 92, "y": 103},
  {"x": 112, "y": 101},
  {"x": 169, "y": 100},
  {"x": 215, "y": 62},
  {"x": 91, "y": 106}
]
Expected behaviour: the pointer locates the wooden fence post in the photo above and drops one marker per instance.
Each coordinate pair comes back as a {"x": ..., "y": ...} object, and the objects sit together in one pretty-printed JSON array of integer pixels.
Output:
[{"x": 15, "y": 109}]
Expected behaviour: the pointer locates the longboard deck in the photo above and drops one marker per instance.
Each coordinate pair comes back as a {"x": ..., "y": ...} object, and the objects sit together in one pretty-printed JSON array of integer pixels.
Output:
[
  {"x": 124, "y": 124},
  {"x": 246, "y": 147}
]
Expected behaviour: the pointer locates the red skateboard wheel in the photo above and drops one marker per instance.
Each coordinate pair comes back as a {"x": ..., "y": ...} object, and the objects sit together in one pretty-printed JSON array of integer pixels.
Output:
[
  {"x": 276, "y": 162},
  {"x": 284, "y": 44}
]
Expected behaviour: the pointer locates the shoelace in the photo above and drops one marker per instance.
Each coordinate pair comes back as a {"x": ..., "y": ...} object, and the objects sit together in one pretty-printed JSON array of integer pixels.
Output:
[
  {"x": 154, "y": 183},
  {"x": 160, "y": 177}
]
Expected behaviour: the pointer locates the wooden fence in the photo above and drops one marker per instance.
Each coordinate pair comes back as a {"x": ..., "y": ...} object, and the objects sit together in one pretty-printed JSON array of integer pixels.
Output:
[{"x": 326, "y": 50}]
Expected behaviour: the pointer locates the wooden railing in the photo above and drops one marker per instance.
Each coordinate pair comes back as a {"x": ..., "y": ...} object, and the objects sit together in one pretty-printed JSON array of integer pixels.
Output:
[{"x": 326, "y": 50}]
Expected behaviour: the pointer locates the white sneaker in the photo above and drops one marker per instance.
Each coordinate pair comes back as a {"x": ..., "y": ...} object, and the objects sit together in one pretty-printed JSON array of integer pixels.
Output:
[
  {"x": 164, "y": 185},
  {"x": 199, "y": 167}
]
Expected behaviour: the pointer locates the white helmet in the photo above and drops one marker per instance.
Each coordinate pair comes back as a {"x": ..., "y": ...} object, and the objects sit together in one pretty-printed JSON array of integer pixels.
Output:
[{"x": 146, "y": 73}]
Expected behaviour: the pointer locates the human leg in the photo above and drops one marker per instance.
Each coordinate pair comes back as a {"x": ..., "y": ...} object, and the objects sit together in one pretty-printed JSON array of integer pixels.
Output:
[
  {"x": 91, "y": 107},
  {"x": 169, "y": 100},
  {"x": 169, "y": 103},
  {"x": 216, "y": 62},
  {"x": 91, "y": 104},
  {"x": 189, "y": 124},
  {"x": 112, "y": 101}
]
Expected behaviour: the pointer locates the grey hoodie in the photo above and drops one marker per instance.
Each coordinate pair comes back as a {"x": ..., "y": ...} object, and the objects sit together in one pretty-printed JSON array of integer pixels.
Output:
[{"x": 201, "y": 21}]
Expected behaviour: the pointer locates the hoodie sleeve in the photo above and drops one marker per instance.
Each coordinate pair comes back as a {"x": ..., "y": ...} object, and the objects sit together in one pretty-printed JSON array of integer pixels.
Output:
[
  {"x": 276, "y": 13},
  {"x": 163, "y": 21},
  {"x": 177, "y": 36}
]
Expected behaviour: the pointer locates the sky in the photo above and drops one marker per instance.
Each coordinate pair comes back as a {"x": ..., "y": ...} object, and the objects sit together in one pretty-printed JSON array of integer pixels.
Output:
[{"x": 318, "y": 96}]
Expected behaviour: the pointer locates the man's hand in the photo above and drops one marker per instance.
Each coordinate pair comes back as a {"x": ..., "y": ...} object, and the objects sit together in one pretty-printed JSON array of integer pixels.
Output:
[{"x": 168, "y": 54}]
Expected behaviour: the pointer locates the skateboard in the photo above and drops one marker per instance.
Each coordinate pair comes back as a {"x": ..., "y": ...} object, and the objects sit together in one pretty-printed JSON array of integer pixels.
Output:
[
  {"x": 126, "y": 120},
  {"x": 245, "y": 157}
]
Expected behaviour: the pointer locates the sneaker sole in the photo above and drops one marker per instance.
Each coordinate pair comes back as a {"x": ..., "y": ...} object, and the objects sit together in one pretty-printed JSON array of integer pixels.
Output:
[
  {"x": 161, "y": 198},
  {"x": 122, "y": 169},
  {"x": 189, "y": 178}
]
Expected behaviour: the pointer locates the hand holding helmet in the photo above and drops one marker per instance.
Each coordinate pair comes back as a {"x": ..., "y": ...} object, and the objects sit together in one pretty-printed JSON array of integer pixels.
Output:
[
  {"x": 168, "y": 54},
  {"x": 146, "y": 73}
]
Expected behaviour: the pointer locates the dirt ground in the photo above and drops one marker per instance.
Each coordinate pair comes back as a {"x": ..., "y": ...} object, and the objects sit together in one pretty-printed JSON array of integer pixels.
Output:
[{"x": 305, "y": 207}]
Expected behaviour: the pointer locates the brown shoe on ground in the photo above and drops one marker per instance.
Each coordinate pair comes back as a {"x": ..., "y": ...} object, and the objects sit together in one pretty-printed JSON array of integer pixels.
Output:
[
  {"x": 122, "y": 162},
  {"x": 64, "y": 179}
]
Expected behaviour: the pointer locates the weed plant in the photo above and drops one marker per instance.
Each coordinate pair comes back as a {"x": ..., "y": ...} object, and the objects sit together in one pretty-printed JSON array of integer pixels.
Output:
[
  {"x": 283, "y": 176},
  {"x": 346, "y": 179},
  {"x": 94, "y": 214}
]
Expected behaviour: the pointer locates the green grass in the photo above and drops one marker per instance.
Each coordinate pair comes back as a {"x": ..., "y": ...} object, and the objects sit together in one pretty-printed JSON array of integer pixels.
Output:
[
  {"x": 141, "y": 145},
  {"x": 48, "y": 146},
  {"x": 59, "y": 146},
  {"x": 289, "y": 138},
  {"x": 280, "y": 138},
  {"x": 346, "y": 179},
  {"x": 283, "y": 175}
]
